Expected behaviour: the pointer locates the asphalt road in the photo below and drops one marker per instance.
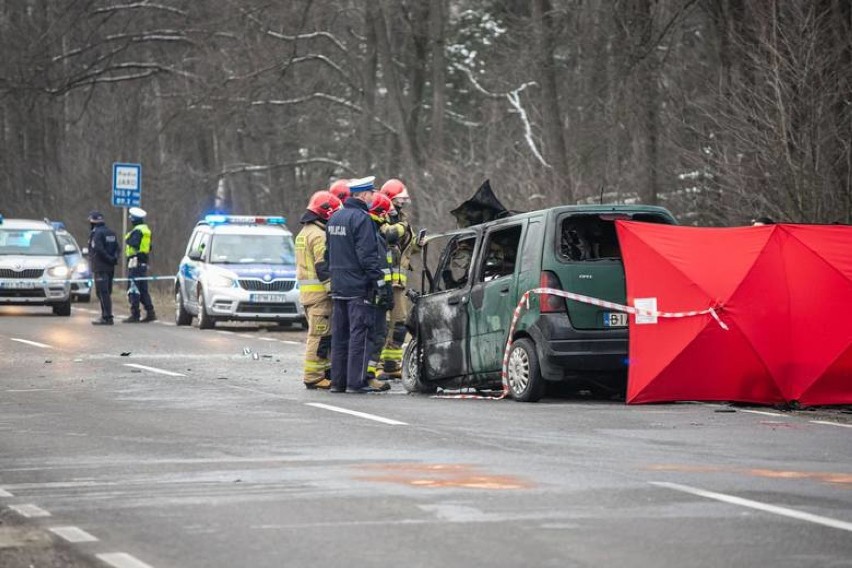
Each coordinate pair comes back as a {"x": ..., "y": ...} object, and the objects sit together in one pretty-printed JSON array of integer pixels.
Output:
[{"x": 152, "y": 445}]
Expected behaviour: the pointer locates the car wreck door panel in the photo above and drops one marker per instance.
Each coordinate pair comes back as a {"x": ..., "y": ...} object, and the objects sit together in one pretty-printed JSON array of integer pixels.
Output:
[
  {"x": 494, "y": 296},
  {"x": 442, "y": 315}
]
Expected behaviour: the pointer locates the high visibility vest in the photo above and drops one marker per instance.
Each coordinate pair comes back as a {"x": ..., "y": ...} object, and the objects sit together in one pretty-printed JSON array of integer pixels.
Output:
[
  {"x": 310, "y": 249},
  {"x": 402, "y": 250},
  {"x": 144, "y": 246}
]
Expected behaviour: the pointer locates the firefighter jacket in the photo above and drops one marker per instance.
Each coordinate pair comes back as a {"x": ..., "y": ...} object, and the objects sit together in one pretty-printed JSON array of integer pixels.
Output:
[
  {"x": 138, "y": 243},
  {"x": 311, "y": 269},
  {"x": 402, "y": 245},
  {"x": 354, "y": 259}
]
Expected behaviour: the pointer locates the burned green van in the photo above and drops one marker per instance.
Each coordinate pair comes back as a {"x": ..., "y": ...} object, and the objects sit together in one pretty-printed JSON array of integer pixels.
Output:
[{"x": 473, "y": 278}]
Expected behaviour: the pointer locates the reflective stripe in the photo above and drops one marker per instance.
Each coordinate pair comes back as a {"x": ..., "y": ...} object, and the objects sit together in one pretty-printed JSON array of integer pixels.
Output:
[
  {"x": 309, "y": 281},
  {"x": 144, "y": 246},
  {"x": 313, "y": 288}
]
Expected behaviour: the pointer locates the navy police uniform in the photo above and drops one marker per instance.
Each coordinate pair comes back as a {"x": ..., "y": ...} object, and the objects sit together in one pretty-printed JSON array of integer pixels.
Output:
[
  {"x": 103, "y": 256},
  {"x": 357, "y": 281}
]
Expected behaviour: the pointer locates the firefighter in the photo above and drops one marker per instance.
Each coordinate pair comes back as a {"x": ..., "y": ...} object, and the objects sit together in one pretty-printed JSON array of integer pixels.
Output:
[
  {"x": 312, "y": 273},
  {"x": 402, "y": 245},
  {"x": 379, "y": 210},
  {"x": 340, "y": 189}
]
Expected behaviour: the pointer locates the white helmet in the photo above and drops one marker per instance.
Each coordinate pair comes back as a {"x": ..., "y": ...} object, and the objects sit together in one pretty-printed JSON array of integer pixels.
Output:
[{"x": 137, "y": 213}]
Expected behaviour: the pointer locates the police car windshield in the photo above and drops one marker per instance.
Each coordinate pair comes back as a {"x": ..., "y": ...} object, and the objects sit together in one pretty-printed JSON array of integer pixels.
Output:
[
  {"x": 28, "y": 242},
  {"x": 252, "y": 249}
]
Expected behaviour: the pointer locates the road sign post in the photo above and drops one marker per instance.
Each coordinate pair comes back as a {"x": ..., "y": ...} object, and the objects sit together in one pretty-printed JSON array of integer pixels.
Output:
[{"x": 126, "y": 192}]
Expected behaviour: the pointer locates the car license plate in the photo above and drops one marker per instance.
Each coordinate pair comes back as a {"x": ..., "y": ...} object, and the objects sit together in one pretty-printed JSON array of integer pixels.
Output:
[
  {"x": 267, "y": 298},
  {"x": 615, "y": 319},
  {"x": 17, "y": 284}
]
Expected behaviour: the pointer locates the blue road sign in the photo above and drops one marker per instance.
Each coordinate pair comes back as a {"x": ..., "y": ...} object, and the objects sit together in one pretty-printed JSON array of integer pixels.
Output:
[{"x": 126, "y": 185}]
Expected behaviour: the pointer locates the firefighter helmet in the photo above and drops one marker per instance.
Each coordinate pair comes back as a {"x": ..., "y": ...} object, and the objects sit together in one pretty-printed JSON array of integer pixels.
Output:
[
  {"x": 381, "y": 205},
  {"x": 395, "y": 189},
  {"x": 323, "y": 203},
  {"x": 340, "y": 189}
]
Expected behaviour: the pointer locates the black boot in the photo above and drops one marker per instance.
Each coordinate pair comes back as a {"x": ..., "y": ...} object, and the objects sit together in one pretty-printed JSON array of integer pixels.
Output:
[{"x": 149, "y": 316}]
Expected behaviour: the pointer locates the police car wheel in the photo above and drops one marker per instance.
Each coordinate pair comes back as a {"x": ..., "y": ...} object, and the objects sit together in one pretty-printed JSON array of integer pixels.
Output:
[
  {"x": 411, "y": 369},
  {"x": 523, "y": 372},
  {"x": 182, "y": 317},
  {"x": 63, "y": 309},
  {"x": 205, "y": 320}
]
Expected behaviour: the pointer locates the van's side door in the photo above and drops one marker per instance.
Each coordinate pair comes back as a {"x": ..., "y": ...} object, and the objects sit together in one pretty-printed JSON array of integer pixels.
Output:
[
  {"x": 494, "y": 295},
  {"x": 442, "y": 314}
]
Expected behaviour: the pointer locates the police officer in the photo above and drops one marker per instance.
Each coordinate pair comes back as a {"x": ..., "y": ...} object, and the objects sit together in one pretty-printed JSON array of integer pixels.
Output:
[
  {"x": 379, "y": 210},
  {"x": 313, "y": 275},
  {"x": 357, "y": 285},
  {"x": 103, "y": 256},
  {"x": 402, "y": 244},
  {"x": 137, "y": 249}
]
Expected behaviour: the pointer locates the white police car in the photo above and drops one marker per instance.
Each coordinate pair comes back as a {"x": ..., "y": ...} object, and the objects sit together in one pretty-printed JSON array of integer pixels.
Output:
[
  {"x": 238, "y": 268},
  {"x": 33, "y": 270},
  {"x": 81, "y": 275}
]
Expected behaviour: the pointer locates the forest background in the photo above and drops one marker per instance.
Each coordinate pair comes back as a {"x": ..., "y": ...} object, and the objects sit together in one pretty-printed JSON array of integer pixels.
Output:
[{"x": 719, "y": 110}]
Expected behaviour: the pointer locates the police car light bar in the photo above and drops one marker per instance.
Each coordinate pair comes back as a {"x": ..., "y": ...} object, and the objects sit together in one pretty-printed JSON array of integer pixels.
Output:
[{"x": 244, "y": 220}]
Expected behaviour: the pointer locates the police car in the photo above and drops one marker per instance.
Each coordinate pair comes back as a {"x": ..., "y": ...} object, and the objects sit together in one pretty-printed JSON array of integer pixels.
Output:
[
  {"x": 33, "y": 270},
  {"x": 81, "y": 275},
  {"x": 238, "y": 268}
]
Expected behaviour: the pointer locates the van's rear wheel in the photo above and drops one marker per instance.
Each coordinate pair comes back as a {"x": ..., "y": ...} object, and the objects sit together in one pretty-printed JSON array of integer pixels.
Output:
[
  {"x": 411, "y": 370},
  {"x": 523, "y": 372}
]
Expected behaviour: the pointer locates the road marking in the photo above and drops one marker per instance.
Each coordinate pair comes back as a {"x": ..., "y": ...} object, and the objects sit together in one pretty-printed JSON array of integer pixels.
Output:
[
  {"x": 122, "y": 560},
  {"x": 289, "y": 342},
  {"x": 27, "y": 390},
  {"x": 155, "y": 370},
  {"x": 166, "y": 323},
  {"x": 827, "y": 423},
  {"x": 33, "y": 343},
  {"x": 267, "y": 339},
  {"x": 356, "y": 413},
  {"x": 766, "y": 507},
  {"x": 4, "y": 493},
  {"x": 764, "y": 413},
  {"x": 29, "y": 510},
  {"x": 73, "y": 534}
]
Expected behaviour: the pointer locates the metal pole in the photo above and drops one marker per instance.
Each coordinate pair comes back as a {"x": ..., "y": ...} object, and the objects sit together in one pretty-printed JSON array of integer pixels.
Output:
[{"x": 121, "y": 242}]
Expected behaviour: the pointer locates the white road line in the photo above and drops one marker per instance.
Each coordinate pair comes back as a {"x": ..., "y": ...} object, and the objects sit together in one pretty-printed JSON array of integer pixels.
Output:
[
  {"x": 33, "y": 343},
  {"x": 267, "y": 339},
  {"x": 4, "y": 493},
  {"x": 122, "y": 560},
  {"x": 165, "y": 323},
  {"x": 764, "y": 413},
  {"x": 827, "y": 423},
  {"x": 766, "y": 507},
  {"x": 155, "y": 370},
  {"x": 356, "y": 413},
  {"x": 288, "y": 342},
  {"x": 29, "y": 510},
  {"x": 73, "y": 534}
]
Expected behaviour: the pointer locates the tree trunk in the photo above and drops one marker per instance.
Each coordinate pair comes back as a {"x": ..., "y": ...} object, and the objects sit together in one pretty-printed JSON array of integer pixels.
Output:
[
  {"x": 436, "y": 40},
  {"x": 555, "y": 152}
]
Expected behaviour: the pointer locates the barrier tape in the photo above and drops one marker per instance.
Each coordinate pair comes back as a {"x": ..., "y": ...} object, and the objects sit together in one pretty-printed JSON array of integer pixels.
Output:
[
  {"x": 89, "y": 281},
  {"x": 524, "y": 302}
]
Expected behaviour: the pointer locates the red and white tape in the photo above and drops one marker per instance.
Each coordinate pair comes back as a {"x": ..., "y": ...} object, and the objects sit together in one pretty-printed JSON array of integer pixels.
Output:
[{"x": 524, "y": 302}]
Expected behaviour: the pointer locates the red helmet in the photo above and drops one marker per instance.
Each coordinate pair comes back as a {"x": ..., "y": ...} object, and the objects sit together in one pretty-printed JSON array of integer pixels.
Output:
[
  {"x": 340, "y": 189},
  {"x": 394, "y": 189},
  {"x": 381, "y": 205},
  {"x": 323, "y": 203}
]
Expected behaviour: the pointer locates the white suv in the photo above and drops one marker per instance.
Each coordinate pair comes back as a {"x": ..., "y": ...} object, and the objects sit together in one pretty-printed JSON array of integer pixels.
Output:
[
  {"x": 239, "y": 268},
  {"x": 33, "y": 270}
]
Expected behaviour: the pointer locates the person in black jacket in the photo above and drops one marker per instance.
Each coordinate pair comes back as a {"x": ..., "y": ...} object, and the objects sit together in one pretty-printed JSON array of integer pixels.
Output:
[
  {"x": 357, "y": 288},
  {"x": 103, "y": 256}
]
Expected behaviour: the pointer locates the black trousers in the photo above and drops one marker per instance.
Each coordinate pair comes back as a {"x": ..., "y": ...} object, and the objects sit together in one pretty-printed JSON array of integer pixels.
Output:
[
  {"x": 103, "y": 289},
  {"x": 143, "y": 296}
]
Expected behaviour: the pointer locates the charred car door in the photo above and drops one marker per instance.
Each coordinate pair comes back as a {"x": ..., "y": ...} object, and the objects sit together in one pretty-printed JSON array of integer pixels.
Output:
[{"x": 442, "y": 313}]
